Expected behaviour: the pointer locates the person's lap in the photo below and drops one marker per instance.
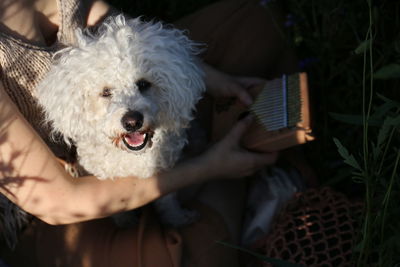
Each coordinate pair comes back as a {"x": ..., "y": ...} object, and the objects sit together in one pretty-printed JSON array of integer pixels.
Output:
[
  {"x": 100, "y": 243},
  {"x": 242, "y": 39}
]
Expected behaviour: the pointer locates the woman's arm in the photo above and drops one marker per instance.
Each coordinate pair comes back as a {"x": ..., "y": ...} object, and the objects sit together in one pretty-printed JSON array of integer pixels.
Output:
[
  {"x": 98, "y": 10},
  {"x": 31, "y": 177}
]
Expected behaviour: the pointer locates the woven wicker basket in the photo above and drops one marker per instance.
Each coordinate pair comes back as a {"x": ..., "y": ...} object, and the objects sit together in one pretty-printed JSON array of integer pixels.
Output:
[{"x": 317, "y": 228}]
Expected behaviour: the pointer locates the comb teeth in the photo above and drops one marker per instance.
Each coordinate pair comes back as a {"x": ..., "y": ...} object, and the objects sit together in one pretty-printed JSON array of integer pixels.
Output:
[{"x": 279, "y": 103}]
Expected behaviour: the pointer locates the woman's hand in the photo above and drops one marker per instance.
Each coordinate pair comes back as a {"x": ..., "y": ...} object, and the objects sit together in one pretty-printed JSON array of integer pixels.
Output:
[
  {"x": 227, "y": 159},
  {"x": 222, "y": 85}
]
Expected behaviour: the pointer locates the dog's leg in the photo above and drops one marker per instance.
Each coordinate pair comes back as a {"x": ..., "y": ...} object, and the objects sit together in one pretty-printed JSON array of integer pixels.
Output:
[{"x": 172, "y": 213}]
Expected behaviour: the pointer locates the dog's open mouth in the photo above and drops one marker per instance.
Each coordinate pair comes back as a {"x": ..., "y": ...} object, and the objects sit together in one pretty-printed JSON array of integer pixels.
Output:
[{"x": 137, "y": 140}]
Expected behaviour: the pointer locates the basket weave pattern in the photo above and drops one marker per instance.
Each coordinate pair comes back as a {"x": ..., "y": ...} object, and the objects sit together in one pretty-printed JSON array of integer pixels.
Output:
[{"x": 317, "y": 228}]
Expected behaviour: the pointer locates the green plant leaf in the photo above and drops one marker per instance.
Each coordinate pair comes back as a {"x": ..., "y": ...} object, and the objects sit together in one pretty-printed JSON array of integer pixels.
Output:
[
  {"x": 355, "y": 119},
  {"x": 383, "y": 134},
  {"x": 391, "y": 71},
  {"x": 348, "y": 158},
  {"x": 394, "y": 121},
  {"x": 357, "y": 247},
  {"x": 363, "y": 47},
  {"x": 376, "y": 150},
  {"x": 382, "y": 111},
  {"x": 384, "y": 131},
  {"x": 358, "y": 179},
  {"x": 388, "y": 100}
]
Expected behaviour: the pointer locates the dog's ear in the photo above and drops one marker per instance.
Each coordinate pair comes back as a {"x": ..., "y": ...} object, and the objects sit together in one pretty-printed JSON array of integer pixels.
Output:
[
  {"x": 185, "y": 84},
  {"x": 170, "y": 58},
  {"x": 62, "y": 97},
  {"x": 180, "y": 94}
]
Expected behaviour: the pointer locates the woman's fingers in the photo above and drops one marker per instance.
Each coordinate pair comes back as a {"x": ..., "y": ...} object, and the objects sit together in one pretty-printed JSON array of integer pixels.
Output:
[
  {"x": 243, "y": 96},
  {"x": 245, "y": 83},
  {"x": 232, "y": 161},
  {"x": 239, "y": 129}
]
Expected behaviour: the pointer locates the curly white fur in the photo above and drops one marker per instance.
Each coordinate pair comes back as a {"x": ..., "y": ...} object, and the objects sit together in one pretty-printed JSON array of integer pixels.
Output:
[
  {"x": 117, "y": 57},
  {"x": 120, "y": 54}
]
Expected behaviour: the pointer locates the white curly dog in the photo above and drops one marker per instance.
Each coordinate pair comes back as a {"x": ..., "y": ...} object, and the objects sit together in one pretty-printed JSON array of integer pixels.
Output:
[{"x": 124, "y": 97}]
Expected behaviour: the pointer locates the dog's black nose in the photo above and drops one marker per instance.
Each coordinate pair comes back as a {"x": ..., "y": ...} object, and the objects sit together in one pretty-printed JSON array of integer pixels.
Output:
[{"x": 132, "y": 121}]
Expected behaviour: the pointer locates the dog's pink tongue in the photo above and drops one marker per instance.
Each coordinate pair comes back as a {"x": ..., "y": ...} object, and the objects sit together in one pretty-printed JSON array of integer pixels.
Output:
[{"x": 135, "y": 139}]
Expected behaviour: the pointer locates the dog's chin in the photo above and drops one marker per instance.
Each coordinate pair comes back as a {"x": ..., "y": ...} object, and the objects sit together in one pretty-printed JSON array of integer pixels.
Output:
[{"x": 137, "y": 141}]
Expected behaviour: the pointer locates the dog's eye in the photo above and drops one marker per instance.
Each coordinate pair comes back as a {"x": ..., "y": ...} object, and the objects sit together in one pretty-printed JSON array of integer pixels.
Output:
[
  {"x": 106, "y": 92},
  {"x": 143, "y": 85}
]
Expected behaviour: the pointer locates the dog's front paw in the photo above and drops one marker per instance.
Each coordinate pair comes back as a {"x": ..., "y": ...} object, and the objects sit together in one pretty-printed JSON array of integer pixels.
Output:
[{"x": 171, "y": 213}]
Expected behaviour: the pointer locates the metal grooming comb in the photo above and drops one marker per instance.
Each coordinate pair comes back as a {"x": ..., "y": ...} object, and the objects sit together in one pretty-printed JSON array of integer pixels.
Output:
[
  {"x": 278, "y": 105},
  {"x": 281, "y": 108}
]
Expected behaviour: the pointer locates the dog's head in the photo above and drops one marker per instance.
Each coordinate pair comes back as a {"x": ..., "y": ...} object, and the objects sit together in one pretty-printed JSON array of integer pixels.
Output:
[{"x": 123, "y": 84}]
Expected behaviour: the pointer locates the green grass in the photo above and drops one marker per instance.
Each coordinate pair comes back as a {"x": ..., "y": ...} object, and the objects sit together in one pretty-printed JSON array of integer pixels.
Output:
[
  {"x": 351, "y": 51},
  {"x": 356, "y": 79}
]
